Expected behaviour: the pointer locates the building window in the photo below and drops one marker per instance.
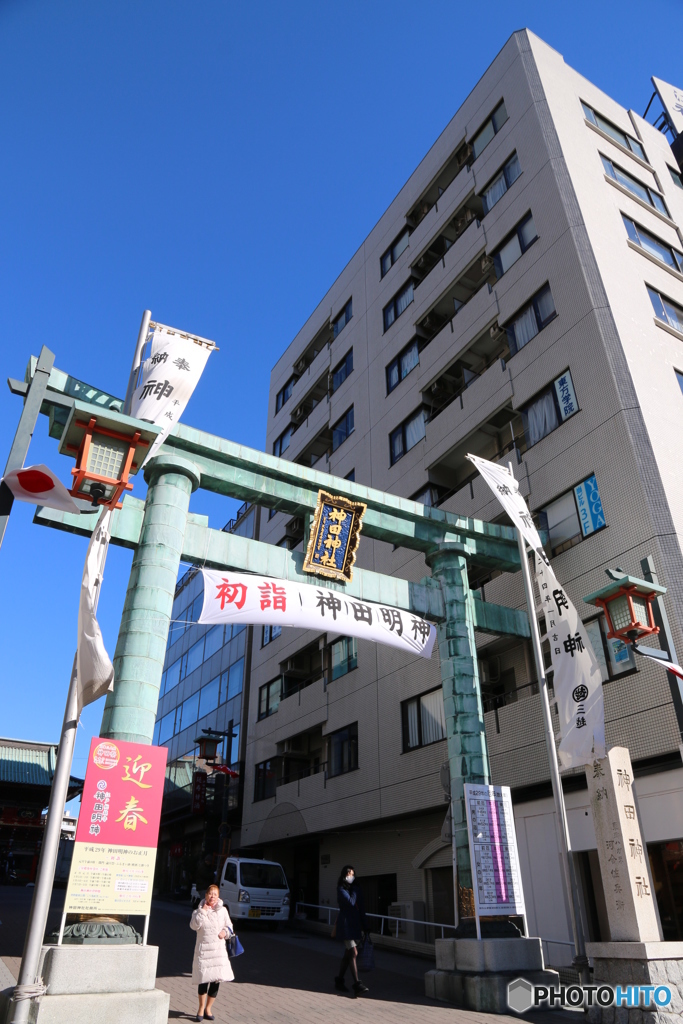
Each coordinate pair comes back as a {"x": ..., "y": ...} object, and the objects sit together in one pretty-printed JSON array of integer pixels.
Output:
[
  {"x": 546, "y": 411},
  {"x": 270, "y": 633},
  {"x": 344, "y": 656},
  {"x": 614, "y": 657},
  {"x": 429, "y": 496},
  {"x": 213, "y": 641},
  {"x": 342, "y": 370},
  {"x": 407, "y": 435},
  {"x": 342, "y": 320},
  {"x": 343, "y": 747},
  {"x": 265, "y": 780},
  {"x": 423, "y": 720},
  {"x": 269, "y": 698},
  {"x": 489, "y": 129},
  {"x": 531, "y": 319},
  {"x": 653, "y": 245},
  {"x": 679, "y": 378},
  {"x": 232, "y": 681},
  {"x": 342, "y": 429},
  {"x": 666, "y": 310},
  {"x": 192, "y": 659},
  {"x": 573, "y": 516},
  {"x": 351, "y": 475},
  {"x": 627, "y": 141},
  {"x": 285, "y": 393},
  {"x": 399, "y": 368},
  {"x": 501, "y": 183},
  {"x": 635, "y": 187},
  {"x": 397, "y": 247},
  {"x": 398, "y": 305},
  {"x": 509, "y": 252},
  {"x": 166, "y": 727},
  {"x": 190, "y": 712},
  {"x": 676, "y": 177},
  {"x": 281, "y": 445}
]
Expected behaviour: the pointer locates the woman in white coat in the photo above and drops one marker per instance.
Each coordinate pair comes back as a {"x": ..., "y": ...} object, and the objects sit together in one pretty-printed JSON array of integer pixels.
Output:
[{"x": 211, "y": 921}]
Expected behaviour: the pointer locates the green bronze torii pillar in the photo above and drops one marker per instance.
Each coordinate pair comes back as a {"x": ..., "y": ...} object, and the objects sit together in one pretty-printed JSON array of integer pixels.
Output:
[{"x": 162, "y": 531}]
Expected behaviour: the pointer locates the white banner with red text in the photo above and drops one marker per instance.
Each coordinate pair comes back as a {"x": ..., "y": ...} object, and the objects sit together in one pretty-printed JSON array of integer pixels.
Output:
[{"x": 240, "y": 597}]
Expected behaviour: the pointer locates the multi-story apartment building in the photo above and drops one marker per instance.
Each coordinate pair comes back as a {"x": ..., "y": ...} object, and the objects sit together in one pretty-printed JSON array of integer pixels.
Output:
[
  {"x": 520, "y": 299},
  {"x": 205, "y": 684}
]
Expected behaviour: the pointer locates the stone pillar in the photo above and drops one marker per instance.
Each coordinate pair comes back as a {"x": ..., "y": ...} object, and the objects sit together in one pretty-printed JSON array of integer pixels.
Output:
[
  {"x": 130, "y": 710},
  {"x": 621, "y": 851},
  {"x": 466, "y": 736}
]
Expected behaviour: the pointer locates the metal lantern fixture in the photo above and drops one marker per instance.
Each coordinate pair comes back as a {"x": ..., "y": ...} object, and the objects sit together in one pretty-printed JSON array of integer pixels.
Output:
[
  {"x": 208, "y": 744},
  {"x": 109, "y": 447},
  {"x": 627, "y": 604}
]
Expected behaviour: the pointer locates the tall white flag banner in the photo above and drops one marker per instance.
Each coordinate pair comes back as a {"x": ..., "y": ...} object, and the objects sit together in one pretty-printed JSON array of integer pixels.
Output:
[
  {"x": 240, "y": 597},
  {"x": 169, "y": 371},
  {"x": 93, "y": 664},
  {"x": 577, "y": 680},
  {"x": 506, "y": 489}
]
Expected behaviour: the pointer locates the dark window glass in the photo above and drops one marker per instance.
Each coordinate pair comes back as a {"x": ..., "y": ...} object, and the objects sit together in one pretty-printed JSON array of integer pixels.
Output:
[
  {"x": 208, "y": 697},
  {"x": 666, "y": 310},
  {"x": 342, "y": 370},
  {"x": 489, "y": 129},
  {"x": 344, "y": 654},
  {"x": 262, "y": 876},
  {"x": 653, "y": 245},
  {"x": 573, "y": 516},
  {"x": 399, "y": 368},
  {"x": 342, "y": 429},
  {"x": 284, "y": 394},
  {"x": 343, "y": 750},
  {"x": 552, "y": 406},
  {"x": 676, "y": 177},
  {"x": 351, "y": 475},
  {"x": 281, "y": 445},
  {"x": 423, "y": 720},
  {"x": 627, "y": 141},
  {"x": 501, "y": 183},
  {"x": 231, "y": 874},
  {"x": 343, "y": 318},
  {"x": 679, "y": 378},
  {"x": 510, "y": 251},
  {"x": 265, "y": 780},
  {"x": 406, "y": 436},
  {"x": 398, "y": 247},
  {"x": 269, "y": 698},
  {"x": 531, "y": 319},
  {"x": 270, "y": 633},
  {"x": 398, "y": 305},
  {"x": 635, "y": 187}
]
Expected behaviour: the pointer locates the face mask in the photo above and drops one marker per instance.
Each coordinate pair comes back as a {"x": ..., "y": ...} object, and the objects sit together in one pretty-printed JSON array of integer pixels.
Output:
[{"x": 350, "y": 878}]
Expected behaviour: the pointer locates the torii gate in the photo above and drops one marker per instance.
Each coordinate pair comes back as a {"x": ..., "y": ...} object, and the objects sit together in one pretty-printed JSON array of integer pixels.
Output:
[{"x": 161, "y": 531}]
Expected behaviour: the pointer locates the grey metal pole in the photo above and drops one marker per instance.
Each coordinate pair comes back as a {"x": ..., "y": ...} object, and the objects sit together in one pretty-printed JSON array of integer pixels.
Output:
[
  {"x": 26, "y": 426},
  {"x": 26, "y": 987},
  {"x": 142, "y": 335},
  {"x": 662, "y": 620},
  {"x": 580, "y": 959}
]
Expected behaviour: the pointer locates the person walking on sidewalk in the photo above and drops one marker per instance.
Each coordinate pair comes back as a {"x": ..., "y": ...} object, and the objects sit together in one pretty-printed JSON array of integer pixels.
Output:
[
  {"x": 211, "y": 921},
  {"x": 351, "y": 927}
]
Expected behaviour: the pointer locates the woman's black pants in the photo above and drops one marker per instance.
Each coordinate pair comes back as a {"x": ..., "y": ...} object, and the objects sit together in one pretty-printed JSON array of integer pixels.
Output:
[{"x": 211, "y": 987}]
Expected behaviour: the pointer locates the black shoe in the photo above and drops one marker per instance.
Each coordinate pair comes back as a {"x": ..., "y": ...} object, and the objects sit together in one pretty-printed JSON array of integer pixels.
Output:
[
  {"x": 340, "y": 985},
  {"x": 359, "y": 988}
]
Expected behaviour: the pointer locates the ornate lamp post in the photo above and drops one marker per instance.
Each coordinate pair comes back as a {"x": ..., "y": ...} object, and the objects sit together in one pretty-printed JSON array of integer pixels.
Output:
[{"x": 627, "y": 603}]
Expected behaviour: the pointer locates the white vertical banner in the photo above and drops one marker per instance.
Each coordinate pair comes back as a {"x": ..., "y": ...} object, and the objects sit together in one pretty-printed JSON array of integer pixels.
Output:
[
  {"x": 95, "y": 671},
  {"x": 577, "y": 680},
  {"x": 172, "y": 363}
]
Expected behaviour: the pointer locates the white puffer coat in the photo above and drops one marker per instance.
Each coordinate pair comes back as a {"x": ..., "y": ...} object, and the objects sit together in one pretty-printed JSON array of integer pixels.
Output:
[{"x": 210, "y": 955}]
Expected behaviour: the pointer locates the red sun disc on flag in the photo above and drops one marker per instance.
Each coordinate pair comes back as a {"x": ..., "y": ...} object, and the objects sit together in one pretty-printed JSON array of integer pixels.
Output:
[{"x": 35, "y": 482}]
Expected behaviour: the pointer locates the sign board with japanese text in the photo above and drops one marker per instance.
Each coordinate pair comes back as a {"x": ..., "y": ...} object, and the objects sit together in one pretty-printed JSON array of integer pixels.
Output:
[
  {"x": 589, "y": 504},
  {"x": 118, "y": 827},
  {"x": 199, "y": 792},
  {"x": 335, "y": 534},
  {"x": 566, "y": 396},
  {"x": 622, "y": 854},
  {"x": 493, "y": 851},
  {"x": 240, "y": 597}
]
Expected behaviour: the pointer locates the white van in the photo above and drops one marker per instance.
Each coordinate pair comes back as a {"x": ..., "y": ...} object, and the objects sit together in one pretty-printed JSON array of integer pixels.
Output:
[{"x": 255, "y": 889}]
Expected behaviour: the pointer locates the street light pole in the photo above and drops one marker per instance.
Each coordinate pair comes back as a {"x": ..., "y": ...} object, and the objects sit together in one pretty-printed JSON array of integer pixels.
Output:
[{"x": 580, "y": 961}]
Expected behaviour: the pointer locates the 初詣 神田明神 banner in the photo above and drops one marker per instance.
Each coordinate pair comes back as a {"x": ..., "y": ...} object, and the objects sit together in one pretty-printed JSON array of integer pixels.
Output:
[
  {"x": 240, "y": 597},
  {"x": 112, "y": 870}
]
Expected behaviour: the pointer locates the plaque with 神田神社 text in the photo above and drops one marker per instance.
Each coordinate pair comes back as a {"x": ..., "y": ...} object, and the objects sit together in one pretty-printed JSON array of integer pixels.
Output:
[{"x": 334, "y": 538}]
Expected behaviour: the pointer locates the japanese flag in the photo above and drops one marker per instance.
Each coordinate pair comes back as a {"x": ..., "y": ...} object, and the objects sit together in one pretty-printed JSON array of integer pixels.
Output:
[{"x": 39, "y": 486}]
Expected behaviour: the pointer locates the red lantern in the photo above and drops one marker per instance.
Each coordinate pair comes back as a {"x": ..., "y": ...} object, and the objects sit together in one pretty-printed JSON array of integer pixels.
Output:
[{"x": 627, "y": 604}]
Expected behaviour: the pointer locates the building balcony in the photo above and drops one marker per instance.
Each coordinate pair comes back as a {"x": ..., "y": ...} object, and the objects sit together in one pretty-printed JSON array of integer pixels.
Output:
[
  {"x": 467, "y": 216},
  {"x": 489, "y": 348},
  {"x": 300, "y": 709},
  {"x": 442, "y": 197},
  {"x": 311, "y": 387},
  {"x": 313, "y": 437},
  {"x": 455, "y": 337}
]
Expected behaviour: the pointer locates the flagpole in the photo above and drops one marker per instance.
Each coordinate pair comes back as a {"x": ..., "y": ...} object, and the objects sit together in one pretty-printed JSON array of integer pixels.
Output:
[
  {"x": 580, "y": 961},
  {"x": 142, "y": 336},
  {"x": 29, "y": 985}
]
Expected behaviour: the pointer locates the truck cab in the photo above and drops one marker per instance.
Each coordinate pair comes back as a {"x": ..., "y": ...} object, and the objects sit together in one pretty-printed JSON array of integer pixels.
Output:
[{"x": 256, "y": 889}]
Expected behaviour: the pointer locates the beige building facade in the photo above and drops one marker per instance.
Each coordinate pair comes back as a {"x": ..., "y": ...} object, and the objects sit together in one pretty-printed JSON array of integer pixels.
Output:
[{"x": 520, "y": 299}]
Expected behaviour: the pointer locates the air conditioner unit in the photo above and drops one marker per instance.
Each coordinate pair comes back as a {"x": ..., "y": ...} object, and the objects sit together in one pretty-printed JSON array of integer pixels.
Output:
[
  {"x": 300, "y": 366},
  {"x": 299, "y": 413},
  {"x": 294, "y": 527},
  {"x": 495, "y": 331},
  {"x": 486, "y": 264},
  {"x": 293, "y": 746},
  {"x": 489, "y": 670}
]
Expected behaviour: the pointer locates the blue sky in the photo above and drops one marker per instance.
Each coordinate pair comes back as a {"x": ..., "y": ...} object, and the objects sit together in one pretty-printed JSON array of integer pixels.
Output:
[{"x": 218, "y": 163}]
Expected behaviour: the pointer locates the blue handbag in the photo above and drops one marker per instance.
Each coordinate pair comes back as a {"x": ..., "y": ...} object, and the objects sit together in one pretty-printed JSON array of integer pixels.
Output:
[{"x": 234, "y": 946}]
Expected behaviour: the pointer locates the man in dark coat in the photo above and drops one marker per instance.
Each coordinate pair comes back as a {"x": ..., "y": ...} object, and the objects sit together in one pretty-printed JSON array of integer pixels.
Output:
[{"x": 351, "y": 927}]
